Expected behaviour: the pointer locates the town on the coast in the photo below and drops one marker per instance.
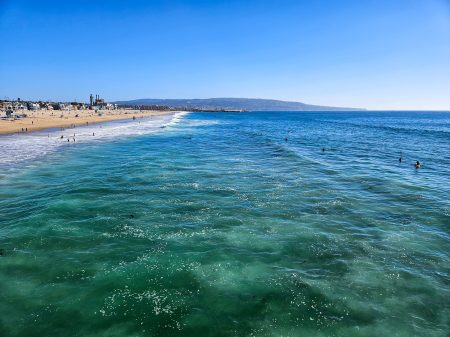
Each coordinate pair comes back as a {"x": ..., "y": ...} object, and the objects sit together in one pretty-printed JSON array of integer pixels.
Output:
[
  {"x": 22, "y": 116},
  {"x": 19, "y": 108}
]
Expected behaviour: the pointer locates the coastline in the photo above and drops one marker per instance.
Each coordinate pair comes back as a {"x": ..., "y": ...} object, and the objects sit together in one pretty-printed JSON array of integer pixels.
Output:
[{"x": 47, "y": 119}]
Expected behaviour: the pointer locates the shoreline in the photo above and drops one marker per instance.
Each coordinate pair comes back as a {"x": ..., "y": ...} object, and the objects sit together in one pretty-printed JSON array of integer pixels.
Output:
[{"x": 46, "y": 119}]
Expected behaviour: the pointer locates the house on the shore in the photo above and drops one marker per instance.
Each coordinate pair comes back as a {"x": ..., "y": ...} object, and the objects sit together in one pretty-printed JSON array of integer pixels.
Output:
[
  {"x": 33, "y": 106},
  {"x": 77, "y": 106},
  {"x": 4, "y": 105},
  {"x": 18, "y": 106},
  {"x": 62, "y": 106}
]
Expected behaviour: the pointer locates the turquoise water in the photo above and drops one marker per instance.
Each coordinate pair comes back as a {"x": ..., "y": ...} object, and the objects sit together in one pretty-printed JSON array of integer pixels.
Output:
[{"x": 215, "y": 225}]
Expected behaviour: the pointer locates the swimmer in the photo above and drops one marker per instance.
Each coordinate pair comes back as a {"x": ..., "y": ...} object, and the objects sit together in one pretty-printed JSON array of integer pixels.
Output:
[
  {"x": 286, "y": 139},
  {"x": 323, "y": 149},
  {"x": 400, "y": 159},
  {"x": 417, "y": 164}
]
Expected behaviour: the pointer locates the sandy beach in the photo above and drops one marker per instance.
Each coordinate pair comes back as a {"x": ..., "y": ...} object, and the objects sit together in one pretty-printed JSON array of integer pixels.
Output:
[{"x": 45, "y": 119}]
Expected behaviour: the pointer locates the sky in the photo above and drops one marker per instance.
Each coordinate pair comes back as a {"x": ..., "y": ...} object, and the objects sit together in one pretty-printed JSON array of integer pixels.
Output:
[{"x": 375, "y": 54}]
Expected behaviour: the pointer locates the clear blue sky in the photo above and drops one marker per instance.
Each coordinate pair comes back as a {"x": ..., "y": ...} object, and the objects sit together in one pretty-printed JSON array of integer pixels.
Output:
[{"x": 378, "y": 54}]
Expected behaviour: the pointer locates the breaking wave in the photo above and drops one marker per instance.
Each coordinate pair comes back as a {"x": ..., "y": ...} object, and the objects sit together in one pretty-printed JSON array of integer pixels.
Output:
[{"x": 18, "y": 148}]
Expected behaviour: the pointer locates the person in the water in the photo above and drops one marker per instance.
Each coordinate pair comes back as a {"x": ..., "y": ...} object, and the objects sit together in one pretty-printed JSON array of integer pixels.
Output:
[{"x": 417, "y": 164}]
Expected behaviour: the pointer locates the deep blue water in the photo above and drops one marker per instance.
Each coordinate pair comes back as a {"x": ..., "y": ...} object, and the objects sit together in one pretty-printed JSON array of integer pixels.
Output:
[{"x": 222, "y": 224}]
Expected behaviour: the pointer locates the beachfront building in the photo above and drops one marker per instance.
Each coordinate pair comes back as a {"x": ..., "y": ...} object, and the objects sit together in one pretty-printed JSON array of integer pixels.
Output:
[
  {"x": 17, "y": 106},
  {"x": 33, "y": 106},
  {"x": 77, "y": 106},
  {"x": 62, "y": 106},
  {"x": 110, "y": 106},
  {"x": 4, "y": 105},
  {"x": 100, "y": 104},
  {"x": 6, "y": 110}
]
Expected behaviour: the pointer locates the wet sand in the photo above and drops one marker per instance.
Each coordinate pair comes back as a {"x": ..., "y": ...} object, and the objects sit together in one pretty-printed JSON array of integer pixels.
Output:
[{"x": 46, "y": 119}]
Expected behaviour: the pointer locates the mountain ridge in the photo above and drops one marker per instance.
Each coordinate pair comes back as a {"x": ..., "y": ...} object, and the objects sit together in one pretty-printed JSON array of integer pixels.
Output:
[{"x": 228, "y": 103}]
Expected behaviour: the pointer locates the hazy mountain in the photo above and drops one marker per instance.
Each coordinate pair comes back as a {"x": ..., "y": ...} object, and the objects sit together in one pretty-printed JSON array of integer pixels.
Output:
[{"x": 250, "y": 104}]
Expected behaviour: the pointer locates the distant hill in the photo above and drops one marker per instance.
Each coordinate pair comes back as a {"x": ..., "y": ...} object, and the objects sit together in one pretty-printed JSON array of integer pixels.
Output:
[{"x": 250, "y": 104}]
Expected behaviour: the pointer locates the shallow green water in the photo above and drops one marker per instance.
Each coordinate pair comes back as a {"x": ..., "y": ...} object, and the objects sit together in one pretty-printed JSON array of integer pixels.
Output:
[{"x": 217, "y": 226}]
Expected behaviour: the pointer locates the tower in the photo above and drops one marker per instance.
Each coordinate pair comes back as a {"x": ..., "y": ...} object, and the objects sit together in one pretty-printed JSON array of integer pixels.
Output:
[{"x": 91, "y": 100}]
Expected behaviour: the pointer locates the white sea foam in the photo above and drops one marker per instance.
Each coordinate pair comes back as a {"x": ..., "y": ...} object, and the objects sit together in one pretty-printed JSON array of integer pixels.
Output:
[
  {"x": 17, "y": 148},
  {"x": 177, "y": 118}
]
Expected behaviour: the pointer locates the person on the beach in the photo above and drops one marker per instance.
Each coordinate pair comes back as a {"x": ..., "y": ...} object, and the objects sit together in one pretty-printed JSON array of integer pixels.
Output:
[{"x": 417, "y": 165}]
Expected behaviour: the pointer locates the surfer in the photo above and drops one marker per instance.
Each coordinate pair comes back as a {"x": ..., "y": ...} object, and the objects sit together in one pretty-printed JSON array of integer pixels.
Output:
[{"x": 417, "y": 164}]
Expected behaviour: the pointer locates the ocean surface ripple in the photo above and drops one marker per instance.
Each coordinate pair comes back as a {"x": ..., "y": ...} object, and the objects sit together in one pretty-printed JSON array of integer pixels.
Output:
[{"x": 222, "y": 224}]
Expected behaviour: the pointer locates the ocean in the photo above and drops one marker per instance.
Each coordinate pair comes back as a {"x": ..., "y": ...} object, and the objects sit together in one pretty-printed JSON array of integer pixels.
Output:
[{"x": 228, "y": 224}]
